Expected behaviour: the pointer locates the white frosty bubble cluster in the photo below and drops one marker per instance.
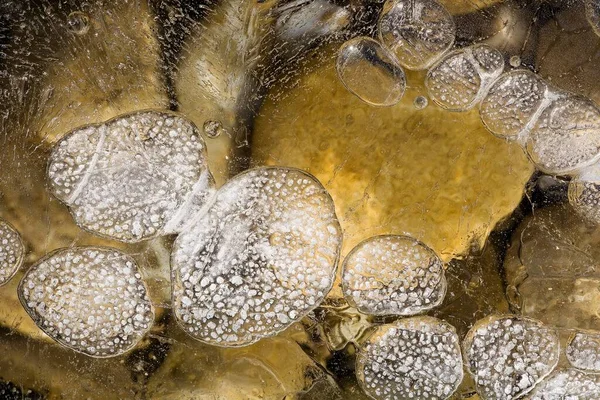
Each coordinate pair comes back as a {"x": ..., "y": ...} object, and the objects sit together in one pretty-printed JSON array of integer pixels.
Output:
[
  {"x": 92, "y": 300},
  {"x": 262, "y": 257},
  {"x": 132, "y": 178},
  {"x": 508, "y": 356},
  {"x": 393, "y": 275},
  {"x": 569, "y": 384},
  {"x": 414, "y": 358},
  {"x": 583, "y": 351},
  {"x": 370, "y": 72},
  {"x": 418, "y": 32},
  {"x": 459, "y": 81},
  {"x": 559, "y": 131},
  {"x": 11, "y": 252}
]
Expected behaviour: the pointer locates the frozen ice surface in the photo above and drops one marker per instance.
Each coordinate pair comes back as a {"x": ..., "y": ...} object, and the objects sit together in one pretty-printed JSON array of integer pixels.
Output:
[
  {"x": 507, "y": 356},
  {"x": 413, "y": 358},
  {"x": 583, "y": 351},
  {"x": 460, "y": 79},
  {"x": 566, "y": 136},
  {"x": 418, "y": 32},
  {"x": 512, "y": 102},
  {"x": 92, "y": 300},
  {"x": 370, "y": 72},
  {"x": 568, "y": 384},
  {"x": 592, "y": 12},
  {"x": 391, "y": 274},
  {"x": 11, "y": 252},
  {"x": 584, "y": 195},
  {"x": 261, "y": 258},
  {"x": 135, "y": 177}
]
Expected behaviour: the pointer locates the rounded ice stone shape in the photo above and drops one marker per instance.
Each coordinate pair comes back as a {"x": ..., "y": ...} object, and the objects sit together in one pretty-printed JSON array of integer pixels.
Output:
[
  {"x": 90, "y": 299},
  {"x": 11, "y": 252},
  {"x": 583, "y": 351},
  {"x": 259, "y": 259},
  {"x": 568, "y": 384}
]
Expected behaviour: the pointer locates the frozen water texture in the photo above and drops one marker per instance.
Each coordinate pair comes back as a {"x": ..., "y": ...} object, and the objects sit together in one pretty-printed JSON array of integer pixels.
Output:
[
  {"x": 568, "y": 384},
  {"x": 583, "y": 351},
  {"x": 460, "y": 80},
  {"x": 413, "y": 358},
  {"x": 262, "y": 257},
  {"x": 507, "y": 356},
  {"x": 512, "y": 103},
  {"x": 132, "y": 178},
  {"x": 393, "y": 275},
  {"x": 11, "y": 252},
  {"x": 91, "y": 300},
  {"x": 418, "y": 32},
  {"x": 584, "y": 194},
  {"x": 370, "y": 72},
  {"x": 566, "y": 136},
  {"x": 592, "y": 12}
]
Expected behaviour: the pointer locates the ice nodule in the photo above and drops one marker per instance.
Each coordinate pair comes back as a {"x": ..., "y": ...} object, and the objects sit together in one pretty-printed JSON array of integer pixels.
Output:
[{"x": 11, "y": 252}]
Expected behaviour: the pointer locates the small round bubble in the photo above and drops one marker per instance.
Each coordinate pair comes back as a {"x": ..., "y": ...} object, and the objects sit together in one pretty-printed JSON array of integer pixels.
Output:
[
  {"x": 78, "y": 22},
  {"x": 515, "y": 61},
  {"x": 420, "y": 102},
  {"x": 213, "y": 129}
]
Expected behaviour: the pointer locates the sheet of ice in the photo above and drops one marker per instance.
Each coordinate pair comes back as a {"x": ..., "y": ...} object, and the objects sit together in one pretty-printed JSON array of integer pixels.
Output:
[{"x": 11, "y": 252}]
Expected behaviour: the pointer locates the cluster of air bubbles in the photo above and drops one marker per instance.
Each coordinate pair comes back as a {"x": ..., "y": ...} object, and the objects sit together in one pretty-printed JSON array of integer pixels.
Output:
[
  {"x": 397, "y": 275},
  {"x": 135, "y": 177},
  {"x": 413, "y": 358},
  {"x": 592, "y": 12},
  {"x": 78, "y": 22},
  {"x": 459, "y": 80},
  {"x": 91, "y": 300},
  {"x": 259, "y": 259},
  {"x": 568, "y": 384},
  {"x": 507, "y": 356},
  {"x": 11, "y": 252},
  {"x": 583, "y": 351}
]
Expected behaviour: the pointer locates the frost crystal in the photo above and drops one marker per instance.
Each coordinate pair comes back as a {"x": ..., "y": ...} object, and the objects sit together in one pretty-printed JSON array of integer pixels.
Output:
[
  {"x": 11, "y": 252},
  {"x": 393, "y": 275},
  {"x": 583, "y": 351},
  {"x": 460, "y": 80},
  {"x": 413, "y": 358},
  {"x": 134, "y": 177},
  {"x": 262, "y": 257},
  {"x": 569, "y": 384},
  {"x": 418, "y": 32},
  {"x": 508, "y": 356},
  {"x": 92, "y": 300},
  {"x": 370, "y": 72}
]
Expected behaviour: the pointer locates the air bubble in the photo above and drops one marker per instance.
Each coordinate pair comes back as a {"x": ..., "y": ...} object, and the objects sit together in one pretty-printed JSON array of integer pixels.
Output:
[
  {"x": 370, "y": 72},
  {"x": 583, "y": 351},
  {"x": 213, "y": 129},
  {"x": 398, "y": 275},
  {"x": 568, "y": 384},
  {"x": 11, "y": 252},
  {"x": 420, "y": 102},
  {"x": 259, "y": 259},
  {"x": 418, "y": 32},
  {"x": 135, "y": 177},
  {"x": 460, "y": 80},
  {"x": 78, "y": 23},
  {"x": 91, "y": 300},
  {"x": 507, "y": 356},
  {"x": 413, "y": 358},
  {"x": 515, "y": 61}
]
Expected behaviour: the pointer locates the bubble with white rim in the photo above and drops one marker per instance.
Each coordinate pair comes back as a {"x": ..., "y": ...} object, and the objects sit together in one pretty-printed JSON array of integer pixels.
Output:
[
  {"x": 583, "y": 351},
  {"x": 370, "y": 72},
  {"x": 568, "y": 384},
  {"x": 261, "y": 258},
  {"x": 92, "y": 300},
  {"x": 134, "y": 177},
  {"x": 11, "y": 252},
  {"x": 459, "y": 81},
  {"x": 508, "y": 355},
  {"x": 512, "y": 104},
  {"x": 390, "y": 274},
  {"x": 418, "y": 32},
  {"x": 413, "y": 358}
]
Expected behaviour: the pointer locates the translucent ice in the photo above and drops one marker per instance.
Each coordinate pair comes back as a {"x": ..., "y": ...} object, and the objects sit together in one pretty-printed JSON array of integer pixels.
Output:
[
  {"x": 418, "y": 32},
  {"x": 507, "y": 356},
  {"x": 132, "y": 178},
  {"x": 370, "y": 72},
  {"x": 584, "y": 195},
  {"x": 11, "y": 252},
  {"x": 460, "y": 80},
  {"x": 393, "y": 275},
  {"x": 413, "y": 358},
  {"x": 592, "y": 12},
  {"x": 262, "y": 257},
  {"x": 92, "y": 300},
  {"x": 583, "y": 351},
  {"x": 568, "y": 384},
  {"x": 512, "y": 102}
]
